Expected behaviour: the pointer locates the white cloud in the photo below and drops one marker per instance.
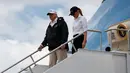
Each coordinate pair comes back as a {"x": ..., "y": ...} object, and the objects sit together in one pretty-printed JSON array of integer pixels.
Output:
[
  {"x": 6, "y": 12},
  {"x": 22, "y": 31},
  {"x": 49, "y": 2},
  {"x": 5, "y": 9}
]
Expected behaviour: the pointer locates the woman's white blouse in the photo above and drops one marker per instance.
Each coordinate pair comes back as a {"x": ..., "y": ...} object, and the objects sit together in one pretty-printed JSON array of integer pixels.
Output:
[{"x": 79, "y": 25}]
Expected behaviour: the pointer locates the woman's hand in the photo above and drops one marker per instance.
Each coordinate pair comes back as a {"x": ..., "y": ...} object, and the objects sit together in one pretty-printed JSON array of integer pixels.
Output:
[
  {"x": 85, "y": 40},
  {"x": 83, "y": 44}
]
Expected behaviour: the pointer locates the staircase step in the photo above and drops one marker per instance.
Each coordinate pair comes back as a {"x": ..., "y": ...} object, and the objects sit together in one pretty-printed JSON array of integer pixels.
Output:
[{"x": 39, "y": 69}]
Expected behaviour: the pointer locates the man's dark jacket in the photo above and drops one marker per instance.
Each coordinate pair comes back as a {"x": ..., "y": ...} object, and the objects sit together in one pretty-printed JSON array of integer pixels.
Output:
[{"x": 56, "y": 34}]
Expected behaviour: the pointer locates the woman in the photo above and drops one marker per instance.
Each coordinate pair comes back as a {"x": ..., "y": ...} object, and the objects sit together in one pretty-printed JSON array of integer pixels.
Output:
[{"x": 79, "y": 26}]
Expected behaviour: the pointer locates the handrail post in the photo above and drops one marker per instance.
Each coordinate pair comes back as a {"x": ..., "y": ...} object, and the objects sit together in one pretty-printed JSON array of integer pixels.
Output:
[
  {"x": 30, "y": 69},
  {"x": 101, "y": 41},
  {"x": 32, "y": 59},
  {"x": 73, "y": 46},
  {"x": 128, "y": 40},
  {"x": 111, "y": 38},
  {"x": 97, "y": 31}
]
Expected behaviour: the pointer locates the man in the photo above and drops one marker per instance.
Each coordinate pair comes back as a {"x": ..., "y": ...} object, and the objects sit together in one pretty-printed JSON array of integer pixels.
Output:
[{"x": 56, "y": 34}]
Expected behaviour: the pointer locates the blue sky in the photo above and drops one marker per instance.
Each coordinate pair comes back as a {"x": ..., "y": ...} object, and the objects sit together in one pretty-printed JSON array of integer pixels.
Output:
[{"x": 23, "y": 24}]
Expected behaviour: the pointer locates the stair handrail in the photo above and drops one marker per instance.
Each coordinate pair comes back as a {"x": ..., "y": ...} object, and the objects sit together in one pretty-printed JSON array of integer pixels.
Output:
[
  {"x": 127, "y": 30},
  {"x": 29, "y": 66},
  {"x": 34, "y": 62},
  {"x": 20, "y": 61}
]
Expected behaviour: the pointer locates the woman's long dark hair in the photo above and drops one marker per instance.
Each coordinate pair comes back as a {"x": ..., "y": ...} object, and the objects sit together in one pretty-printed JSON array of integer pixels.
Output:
[{"x": 80, "y": 11}]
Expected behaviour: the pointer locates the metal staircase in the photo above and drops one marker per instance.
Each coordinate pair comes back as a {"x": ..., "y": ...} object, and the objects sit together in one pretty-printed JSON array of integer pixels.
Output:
[{"x": 111, "y": 58}]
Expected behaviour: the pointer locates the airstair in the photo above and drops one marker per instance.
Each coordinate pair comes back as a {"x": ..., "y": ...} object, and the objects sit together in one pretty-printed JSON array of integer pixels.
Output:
[{"x": 83, "y": 61}]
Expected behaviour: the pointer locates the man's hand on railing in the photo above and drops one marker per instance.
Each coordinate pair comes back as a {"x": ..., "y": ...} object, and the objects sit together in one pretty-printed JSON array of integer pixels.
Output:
[
  {"x": 63, "y": 47},
  {"x": 40, "y": 47}
]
